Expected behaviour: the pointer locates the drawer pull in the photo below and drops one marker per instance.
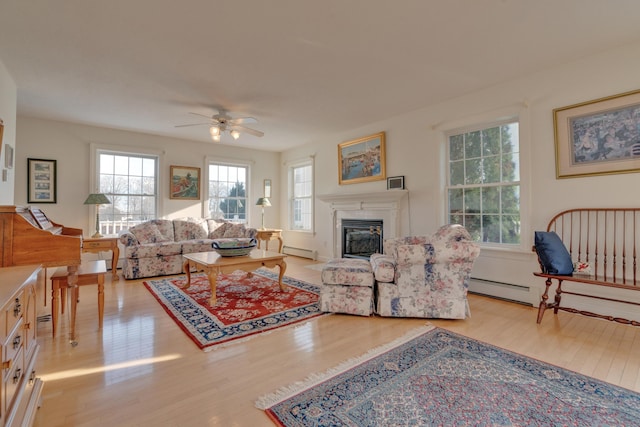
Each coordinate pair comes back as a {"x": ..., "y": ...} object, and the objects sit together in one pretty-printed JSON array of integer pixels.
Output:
[
  {"x": 17, "y": 308},
  {"x": 16, "y": 342},
  {"x": 17, "y": 375},
  {"x": 32, "y": 377}
]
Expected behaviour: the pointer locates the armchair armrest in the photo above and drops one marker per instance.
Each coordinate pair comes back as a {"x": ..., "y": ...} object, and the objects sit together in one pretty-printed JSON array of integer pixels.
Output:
[{"x": 384, "y": 267}]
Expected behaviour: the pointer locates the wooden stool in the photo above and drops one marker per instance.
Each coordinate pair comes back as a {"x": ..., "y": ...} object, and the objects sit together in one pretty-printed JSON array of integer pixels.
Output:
[{"x": 89, "y": 273}]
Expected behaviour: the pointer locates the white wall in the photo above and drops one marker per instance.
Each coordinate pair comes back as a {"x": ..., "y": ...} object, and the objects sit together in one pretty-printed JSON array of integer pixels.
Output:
[
  {"x": 70, "y": 145},
  {"x": 8, "y": 96},
  {"x": 415, "y": 149}
]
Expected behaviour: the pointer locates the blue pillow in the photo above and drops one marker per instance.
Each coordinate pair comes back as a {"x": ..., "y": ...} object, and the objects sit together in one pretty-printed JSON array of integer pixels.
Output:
[{"x": 553, "y": 255}]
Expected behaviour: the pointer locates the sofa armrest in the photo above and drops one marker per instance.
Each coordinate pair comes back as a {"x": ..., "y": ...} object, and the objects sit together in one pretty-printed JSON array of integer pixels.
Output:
[
  {"x": 251, "y": 233},
  {"x": 127, "y": 238}
]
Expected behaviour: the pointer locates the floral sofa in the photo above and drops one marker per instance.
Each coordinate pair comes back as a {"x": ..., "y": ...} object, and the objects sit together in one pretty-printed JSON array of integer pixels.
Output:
[
  {"x": 155, "y": 248},
  {"x": 425, "y": 276}
]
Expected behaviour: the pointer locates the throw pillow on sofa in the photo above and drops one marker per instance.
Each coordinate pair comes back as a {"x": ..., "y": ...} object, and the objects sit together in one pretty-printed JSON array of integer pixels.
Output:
[
  {"x": 219, "y": 230},
  {"x": 149, "y": 234},
  {"x": 236, "y": 230}
]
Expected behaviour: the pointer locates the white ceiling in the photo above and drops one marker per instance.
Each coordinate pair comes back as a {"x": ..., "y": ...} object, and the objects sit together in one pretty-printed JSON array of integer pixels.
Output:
[{"x": 305, "y": 69}]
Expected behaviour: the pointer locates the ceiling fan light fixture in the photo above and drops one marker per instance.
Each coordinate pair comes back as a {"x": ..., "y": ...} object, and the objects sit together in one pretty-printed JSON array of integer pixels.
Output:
[
  {"x": 235, "y": 134},
  {"x": 214, "y": 130},
  {"x": 216, "y": 138}
]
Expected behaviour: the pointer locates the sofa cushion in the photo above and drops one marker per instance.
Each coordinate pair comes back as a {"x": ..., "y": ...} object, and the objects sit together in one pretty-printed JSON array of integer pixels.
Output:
[
  {"x": 153, "y": 250},
  {"x": 190, "y": 229},
  {"x": 234, "y": 231},
  {"x": 553, "y": 255},
  {"x": 148, "y": 233},
  {"x": 198, "y": 245},
  {"x": 217, "y": 230}
]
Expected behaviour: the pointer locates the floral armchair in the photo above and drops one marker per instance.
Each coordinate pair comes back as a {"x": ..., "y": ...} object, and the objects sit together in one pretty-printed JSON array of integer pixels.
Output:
[{"x": 425, "y": 276}]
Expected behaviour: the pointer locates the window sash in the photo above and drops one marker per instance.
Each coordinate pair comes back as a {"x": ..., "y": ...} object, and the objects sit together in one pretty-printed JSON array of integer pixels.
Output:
[
  {"x": 483, "y": 182},
  {"x": 130, "y": 181},
  {"x": 227, "y": 192},
  {"x": 301, "y": 197}
]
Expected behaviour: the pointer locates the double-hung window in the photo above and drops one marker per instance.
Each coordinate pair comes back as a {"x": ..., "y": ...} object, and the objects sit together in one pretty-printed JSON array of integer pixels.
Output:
[
  {"x": 228, "y": 192},
  {"x": 130, "y": 182},
  {"x": 301, "y": 197},
  {"x": 483, "y": 189}
]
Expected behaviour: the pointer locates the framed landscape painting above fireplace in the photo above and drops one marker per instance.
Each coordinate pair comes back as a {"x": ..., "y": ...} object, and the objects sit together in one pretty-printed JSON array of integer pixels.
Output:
[{"x": 362, "y": 160}]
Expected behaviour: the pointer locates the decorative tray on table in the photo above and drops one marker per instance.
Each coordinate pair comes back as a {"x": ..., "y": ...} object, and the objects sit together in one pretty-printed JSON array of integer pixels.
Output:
[{"x": 234, "y": 247}]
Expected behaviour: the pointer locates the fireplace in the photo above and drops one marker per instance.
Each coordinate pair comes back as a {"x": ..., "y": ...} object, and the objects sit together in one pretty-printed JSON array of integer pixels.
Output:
[{"x": 361, "y": 237}]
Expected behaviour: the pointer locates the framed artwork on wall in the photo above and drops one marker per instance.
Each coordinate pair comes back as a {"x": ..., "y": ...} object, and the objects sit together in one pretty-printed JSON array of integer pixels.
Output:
[
  {"x": 185, "y": 183},
  {"x": 598, "y": 137},
  {"x": 362, "y": 159},
  {"x": 41, "y": 181}
]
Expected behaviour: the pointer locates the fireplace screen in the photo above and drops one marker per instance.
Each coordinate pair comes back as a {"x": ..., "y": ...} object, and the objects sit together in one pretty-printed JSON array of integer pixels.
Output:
[{"x": 361, "y": 237}]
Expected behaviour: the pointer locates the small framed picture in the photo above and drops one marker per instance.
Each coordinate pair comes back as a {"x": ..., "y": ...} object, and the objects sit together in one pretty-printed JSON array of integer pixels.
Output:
[
  {"x": 41, "y": 181},
  {"x": 8, "y": 156},
  {"x": 395, "y": 183}
]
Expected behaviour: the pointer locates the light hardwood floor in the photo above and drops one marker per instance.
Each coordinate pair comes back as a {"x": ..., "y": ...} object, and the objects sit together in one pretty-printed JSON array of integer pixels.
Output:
[{"x": 142, "y": 370}]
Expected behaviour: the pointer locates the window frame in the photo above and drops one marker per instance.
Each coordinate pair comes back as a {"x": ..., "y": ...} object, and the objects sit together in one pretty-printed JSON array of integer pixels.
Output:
[
  {"x": 291, "y": 196},
  {"x": 94, "y": 181},
  {"x": 522, "y": 187},
  {"x": 247, "y": 191}
]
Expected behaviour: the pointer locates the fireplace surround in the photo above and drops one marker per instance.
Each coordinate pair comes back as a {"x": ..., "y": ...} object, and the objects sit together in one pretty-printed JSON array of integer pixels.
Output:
[{"x": 384, "y": 205}]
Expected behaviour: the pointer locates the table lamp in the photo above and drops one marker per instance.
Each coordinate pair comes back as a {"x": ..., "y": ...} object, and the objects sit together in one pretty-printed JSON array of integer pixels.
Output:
[
  {"x": 263, "y": 201},
  {"x": 97, "y": 199}
]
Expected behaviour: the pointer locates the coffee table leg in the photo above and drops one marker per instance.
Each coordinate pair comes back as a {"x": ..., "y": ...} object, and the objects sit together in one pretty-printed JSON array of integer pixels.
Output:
[
  {"x": 212, "y": 274},
  {"x": 283, "y": 267},
  {"x": 186, "y": 267}
]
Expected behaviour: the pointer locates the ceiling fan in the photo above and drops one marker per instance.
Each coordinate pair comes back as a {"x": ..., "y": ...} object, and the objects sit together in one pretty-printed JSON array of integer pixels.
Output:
[{"x": 221, "y": 122}]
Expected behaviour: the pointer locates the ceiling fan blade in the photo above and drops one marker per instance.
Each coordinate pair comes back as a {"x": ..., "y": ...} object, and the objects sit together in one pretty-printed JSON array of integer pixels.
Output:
[
  {"x": 201, "y": 115},
  {"x": 192, "y": 124},
  {"x": 244, "y": 120},
  {"x": 248, "y": 130}
]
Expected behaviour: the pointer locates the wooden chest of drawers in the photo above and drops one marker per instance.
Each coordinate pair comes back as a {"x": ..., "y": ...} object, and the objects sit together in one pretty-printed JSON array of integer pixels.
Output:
[{"x": 20, "y": 387}]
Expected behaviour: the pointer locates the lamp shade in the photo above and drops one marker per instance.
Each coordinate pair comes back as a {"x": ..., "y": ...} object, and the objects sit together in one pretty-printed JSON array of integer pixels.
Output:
[
  {"x": 263, "y": 201},
  {"x": 97, "y": 199}
]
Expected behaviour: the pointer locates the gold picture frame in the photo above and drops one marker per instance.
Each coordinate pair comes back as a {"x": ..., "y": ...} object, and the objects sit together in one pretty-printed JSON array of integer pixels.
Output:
[
  {"x": 599, "y": 137},
  {"x": 362, "y": 160},
  {"x": 184, "y": 183}
]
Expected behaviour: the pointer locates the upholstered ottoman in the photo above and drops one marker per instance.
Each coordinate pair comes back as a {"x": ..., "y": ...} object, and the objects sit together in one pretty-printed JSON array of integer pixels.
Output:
[{"x": 347, "y": 287}]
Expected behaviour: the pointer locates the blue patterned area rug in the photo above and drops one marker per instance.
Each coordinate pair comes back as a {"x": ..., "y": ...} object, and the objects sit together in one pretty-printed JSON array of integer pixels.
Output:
[
  {"x": 246, "y": 305},
  {"x": 438, "y": 378}
]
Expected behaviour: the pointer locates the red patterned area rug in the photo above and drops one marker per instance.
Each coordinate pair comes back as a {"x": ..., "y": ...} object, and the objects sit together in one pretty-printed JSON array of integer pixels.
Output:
[
  {"x": 246, "y": 305},
  {"x": 433, "y": 377}
]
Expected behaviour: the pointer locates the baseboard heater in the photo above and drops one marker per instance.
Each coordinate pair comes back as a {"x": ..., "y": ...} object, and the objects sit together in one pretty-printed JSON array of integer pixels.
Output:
[
  {"x": 302, "y": 253},
  {"x": 501, "y": 290}
]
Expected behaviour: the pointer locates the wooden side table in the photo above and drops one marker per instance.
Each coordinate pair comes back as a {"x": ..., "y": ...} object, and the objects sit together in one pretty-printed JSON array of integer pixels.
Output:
[
  {"x": 102, "y": 244},
  {"x": 269, "y": 234}
]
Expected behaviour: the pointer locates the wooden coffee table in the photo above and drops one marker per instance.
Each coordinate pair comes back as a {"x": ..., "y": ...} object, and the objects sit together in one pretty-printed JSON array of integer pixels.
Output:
[{"x": 213, "y": 264}]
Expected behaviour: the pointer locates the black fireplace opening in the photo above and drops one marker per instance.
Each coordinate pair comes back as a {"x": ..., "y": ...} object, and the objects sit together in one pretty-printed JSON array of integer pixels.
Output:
[{"x": 361, "y": 238}]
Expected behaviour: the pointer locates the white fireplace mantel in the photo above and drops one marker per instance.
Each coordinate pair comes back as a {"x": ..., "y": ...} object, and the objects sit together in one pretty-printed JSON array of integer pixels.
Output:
[{"x": 384, "y": 205}]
